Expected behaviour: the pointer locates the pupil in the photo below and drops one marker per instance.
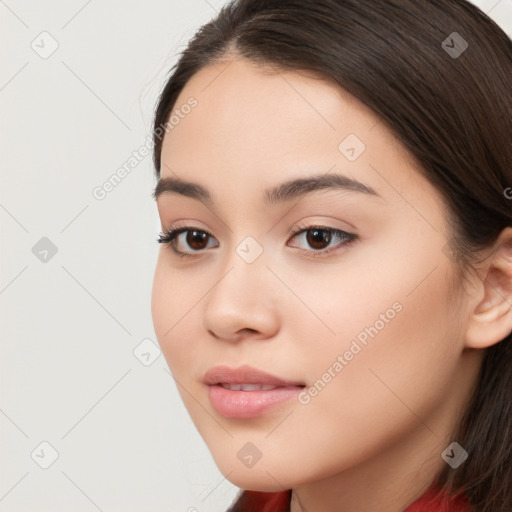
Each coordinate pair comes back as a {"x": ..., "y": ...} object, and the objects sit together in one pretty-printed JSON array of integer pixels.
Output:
[
  {"x": 196, "y": 237},
  {"x": 319, "y": 237}
]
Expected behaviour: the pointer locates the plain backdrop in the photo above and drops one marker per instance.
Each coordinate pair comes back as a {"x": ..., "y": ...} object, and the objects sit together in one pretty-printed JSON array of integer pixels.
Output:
[{"x": 90, "y": 417}]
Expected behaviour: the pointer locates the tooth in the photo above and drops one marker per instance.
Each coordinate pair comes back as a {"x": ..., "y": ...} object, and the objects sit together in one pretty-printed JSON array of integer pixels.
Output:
[
  {"x": 252, "y": 387},
  {"x": 232, "y": 387},
  {"x": 249, "y": 387},
  {"x": 261, "y": 387}
]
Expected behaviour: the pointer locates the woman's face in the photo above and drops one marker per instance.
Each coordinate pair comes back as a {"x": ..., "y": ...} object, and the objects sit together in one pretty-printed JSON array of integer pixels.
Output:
[{"x": 369, "y": 319}]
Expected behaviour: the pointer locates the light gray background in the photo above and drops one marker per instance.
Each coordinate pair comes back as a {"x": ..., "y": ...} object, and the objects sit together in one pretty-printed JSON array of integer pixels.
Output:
[{"x": 70, "y": 325}]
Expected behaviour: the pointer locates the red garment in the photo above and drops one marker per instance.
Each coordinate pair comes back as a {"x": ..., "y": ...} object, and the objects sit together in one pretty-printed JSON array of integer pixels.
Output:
[
  {"x": 431, "y": 502},
  {"x": 256, "y": 501}
]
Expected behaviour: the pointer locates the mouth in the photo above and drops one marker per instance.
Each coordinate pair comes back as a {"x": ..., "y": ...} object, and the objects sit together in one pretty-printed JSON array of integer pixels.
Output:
[
  {"x": 252, "y": 387},
  {"x": 245, "y": 376},
  {"x": 246, "y": 392}
]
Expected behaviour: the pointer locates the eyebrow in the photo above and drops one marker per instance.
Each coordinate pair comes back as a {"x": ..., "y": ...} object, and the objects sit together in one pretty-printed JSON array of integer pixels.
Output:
[{"x": 286, "y": 191}]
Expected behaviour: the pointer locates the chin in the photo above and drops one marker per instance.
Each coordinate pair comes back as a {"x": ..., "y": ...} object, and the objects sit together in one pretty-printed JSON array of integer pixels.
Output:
[
  {"x": 262, "y": 482},
  {"x": 262, "y": 476}
]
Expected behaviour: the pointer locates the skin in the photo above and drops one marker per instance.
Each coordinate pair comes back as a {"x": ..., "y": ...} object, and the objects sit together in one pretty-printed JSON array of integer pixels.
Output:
[{"x": 372, "y": 438}]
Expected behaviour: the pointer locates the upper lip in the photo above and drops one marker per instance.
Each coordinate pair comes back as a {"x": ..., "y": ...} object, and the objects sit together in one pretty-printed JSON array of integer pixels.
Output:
[{"x": 244, "y": 375}]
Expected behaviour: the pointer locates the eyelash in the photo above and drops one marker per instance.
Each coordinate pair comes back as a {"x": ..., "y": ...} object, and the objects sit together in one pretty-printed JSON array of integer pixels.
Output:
[{"x": 169, "y": 237}]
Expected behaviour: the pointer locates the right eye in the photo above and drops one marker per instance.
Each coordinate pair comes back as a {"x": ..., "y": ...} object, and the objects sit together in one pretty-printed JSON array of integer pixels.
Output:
[{"x": 178, "y": 238}]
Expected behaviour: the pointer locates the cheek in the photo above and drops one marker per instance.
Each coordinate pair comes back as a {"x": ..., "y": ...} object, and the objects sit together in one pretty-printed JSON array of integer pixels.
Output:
[
  {"x": 399, "y": 347},
  {"x": 397, "y": 317},
  {"x": 171, "y": 310},
  {"x": 161, "y": 300},
  {"x": 385, "y": 296}
]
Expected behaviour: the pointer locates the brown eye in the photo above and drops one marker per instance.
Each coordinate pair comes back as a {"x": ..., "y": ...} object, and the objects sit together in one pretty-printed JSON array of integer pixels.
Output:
[
  {"x": 318, "y": 238},
  {"x": 185, "y": 241},
  {"x": 197, "y": 240}
]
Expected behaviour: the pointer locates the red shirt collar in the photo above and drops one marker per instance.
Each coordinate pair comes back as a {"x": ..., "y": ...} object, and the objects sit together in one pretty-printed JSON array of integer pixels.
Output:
[{"x": 430, "y": 501}]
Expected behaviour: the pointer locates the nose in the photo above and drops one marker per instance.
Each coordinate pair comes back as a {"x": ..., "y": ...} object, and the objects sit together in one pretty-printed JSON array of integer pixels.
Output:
[{"x": 243, "y": 302}]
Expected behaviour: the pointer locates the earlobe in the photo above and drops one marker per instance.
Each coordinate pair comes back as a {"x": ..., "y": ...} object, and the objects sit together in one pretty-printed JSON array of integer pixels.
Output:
[{"x": 491, "y": 320}]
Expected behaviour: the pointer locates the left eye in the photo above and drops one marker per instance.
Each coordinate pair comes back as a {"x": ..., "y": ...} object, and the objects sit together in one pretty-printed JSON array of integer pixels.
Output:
[{"x": 319, "y": 238}]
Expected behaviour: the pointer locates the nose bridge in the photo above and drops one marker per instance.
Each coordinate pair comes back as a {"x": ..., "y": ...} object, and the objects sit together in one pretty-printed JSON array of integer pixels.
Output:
[
  {"x": 242, "y": 297},
  {"x": 245, "y": 269}
]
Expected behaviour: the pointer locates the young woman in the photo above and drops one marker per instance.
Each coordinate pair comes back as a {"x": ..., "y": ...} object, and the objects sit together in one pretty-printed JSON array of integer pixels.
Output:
[{"x": 333, "y": 294}]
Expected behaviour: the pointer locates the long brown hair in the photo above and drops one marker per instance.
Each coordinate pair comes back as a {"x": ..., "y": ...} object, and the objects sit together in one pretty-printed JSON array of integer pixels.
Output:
[{"x": 439, "y": 74}]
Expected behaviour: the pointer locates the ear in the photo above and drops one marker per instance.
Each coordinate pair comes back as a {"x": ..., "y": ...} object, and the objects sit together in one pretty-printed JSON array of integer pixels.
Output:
[{"x": 491, "y": 320}]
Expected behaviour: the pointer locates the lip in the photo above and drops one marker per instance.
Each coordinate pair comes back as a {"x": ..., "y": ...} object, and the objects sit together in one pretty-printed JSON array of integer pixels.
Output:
[
  {"x": 247, "y": 404},
  {"x": 244, "y": 375}
]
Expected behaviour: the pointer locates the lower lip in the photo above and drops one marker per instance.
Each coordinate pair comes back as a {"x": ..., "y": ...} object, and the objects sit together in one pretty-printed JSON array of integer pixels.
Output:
[{"x": 249, "y": 404}]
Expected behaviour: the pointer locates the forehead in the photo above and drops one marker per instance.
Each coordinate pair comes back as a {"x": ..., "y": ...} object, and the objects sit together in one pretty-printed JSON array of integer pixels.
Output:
[
  {"x": 262, "y": 106},
  {"x": 255, "y": 125}
]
